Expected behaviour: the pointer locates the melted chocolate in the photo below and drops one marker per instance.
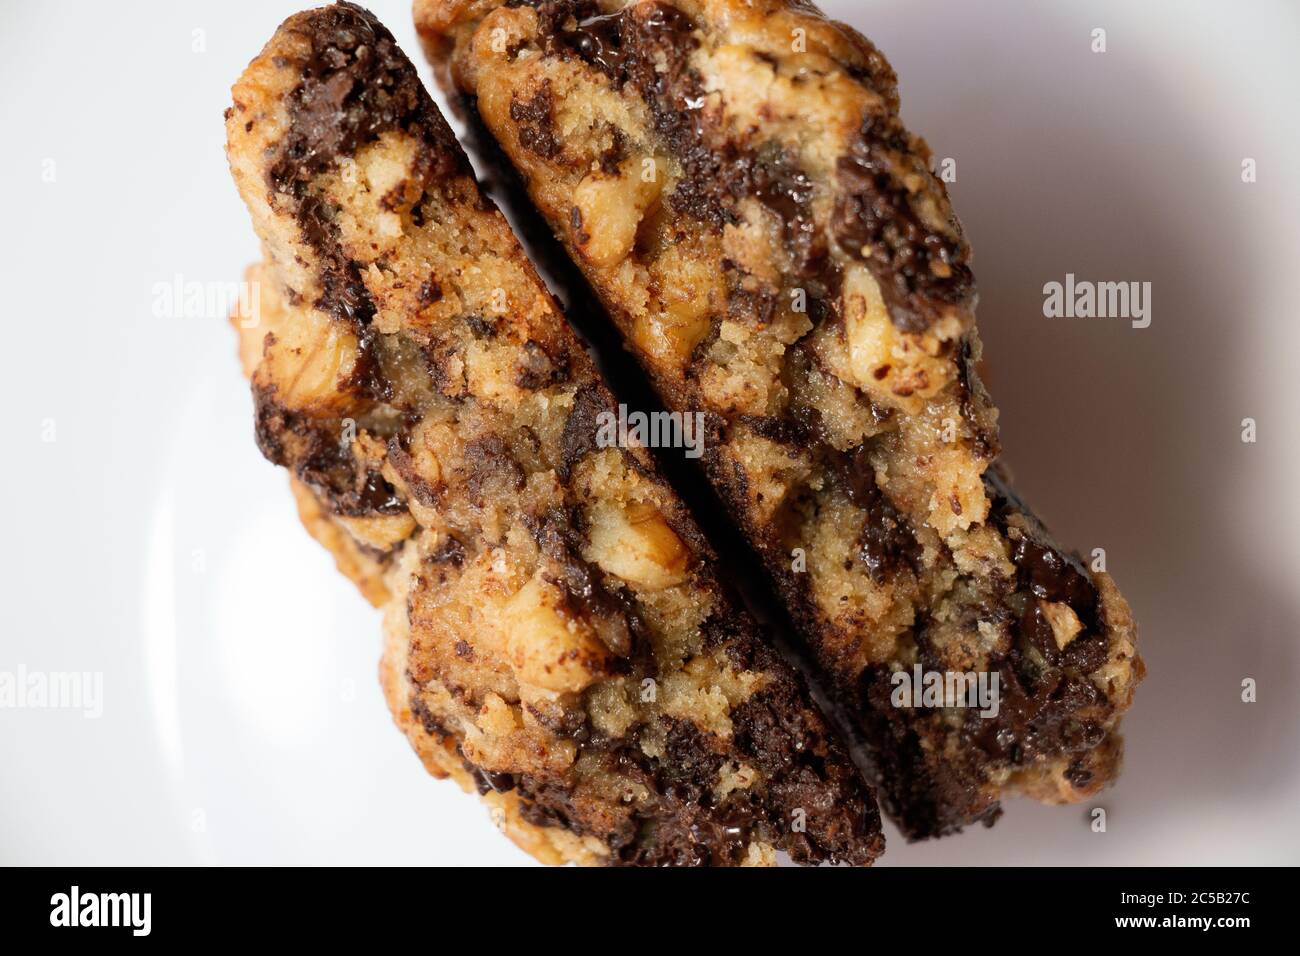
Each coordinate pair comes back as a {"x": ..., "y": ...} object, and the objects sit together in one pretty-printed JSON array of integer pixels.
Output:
[
  {"x": 373, "y": 496},
  {"x": 367, "y": 377},
  {"x": 972, "y": 398},
  {"x": 619, "y": 44},
  {"x": 489, "y": 780},
  {"x": 1040, "y": 716},
  {"x": 780, "y": 185},
  {"x": 920, "y": 270},
  {"x": 1048, "y": 703},
  {"x": 312, "y": 449},
  {"x": 450, "y": 551},
  {"x": 343, "y": 293},
  {"x": 356, "y": 84},
  {"x": 1054, "y": 576},
  {"x": 579, "y": 437},
  {"x": 886, "y": 543},
  {"x": 598, "y": 40}
]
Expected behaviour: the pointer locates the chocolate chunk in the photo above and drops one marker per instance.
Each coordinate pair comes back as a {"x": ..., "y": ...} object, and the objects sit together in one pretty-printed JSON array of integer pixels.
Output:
[
  {"x": 343, "y": 293},
  {"x": 783, "y": 429},
  {"x": 367, "y": 378},
  {"x": 785, "y": 189},
  {"x": 356, "y": 84},
  {"x": 1036, "y": 629},
  {"x": 920, "y": 269},
  {"x": 480, "y": 327},
  {"x": 886, "y": 543},
  {"x": 621, "y": 44},
  {"x": 488, "y": 780},
  {"x": 1079, "y": 774},
  {"x": 972, "y": 398},
  {"x": 599, "y": 41},
  {"x": 579, "y": 439},
  {"x": 1037, "y": 717},
  {"x": 450, "y": 551},
  {"x": 536, "y": 129},
  {"x": 750, "y": 302},
  {"x": 420, "y": 488},
  {"x": 490, "y": 461},
  {"x": 570, "y": 724},
  {"x": 432, "y": 726},
  {"x": 313, "y": 449},
  {"x": 612, "y": 158},
  {"x": 647, "y": 46},
  {"x": 548, "y": 803},
  {"x": 787, "y": 749},
  {"x": 1054, "y": 576},
  {"x": 374, "y": 496},
  {"x": 691, "y": 765}
]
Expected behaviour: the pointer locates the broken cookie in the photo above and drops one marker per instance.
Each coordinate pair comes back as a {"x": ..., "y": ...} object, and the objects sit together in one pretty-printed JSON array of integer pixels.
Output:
[{"x": 555, "y": 636}]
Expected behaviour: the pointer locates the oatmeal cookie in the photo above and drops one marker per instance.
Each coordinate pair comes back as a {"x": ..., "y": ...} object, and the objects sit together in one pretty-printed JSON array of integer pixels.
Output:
[
  {"x": 555, "y": 635},
  {"x": 733, "y": 180}
]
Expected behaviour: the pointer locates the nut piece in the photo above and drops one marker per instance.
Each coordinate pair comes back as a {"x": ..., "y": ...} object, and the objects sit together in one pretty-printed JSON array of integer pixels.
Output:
[
  {"x": 548, "y": 648},
  {"x": 1065, "y": 623},
  {"x": 870, "y": 334},
  {"x": 638, "y": 546},
  {"x": 690, "y": 289},
  {"x": 305, "y": 356},
  {"x": 380, "y": 532},
  {"x": 894, "y": 368},
  {"x": 608, "y": 209}
]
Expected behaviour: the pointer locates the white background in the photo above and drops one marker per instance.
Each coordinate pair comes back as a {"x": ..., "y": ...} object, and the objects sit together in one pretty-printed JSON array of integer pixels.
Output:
[{"x": 242, "y": 719}]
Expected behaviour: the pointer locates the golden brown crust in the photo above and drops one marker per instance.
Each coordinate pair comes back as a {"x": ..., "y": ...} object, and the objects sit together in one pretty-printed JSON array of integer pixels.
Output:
[
  {"x": 734, "y": 181},
  {"x": 555, "y": 637}
]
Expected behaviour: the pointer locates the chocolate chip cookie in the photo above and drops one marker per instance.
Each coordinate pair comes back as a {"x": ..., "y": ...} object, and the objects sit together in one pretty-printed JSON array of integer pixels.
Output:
[{"x": 555, "y": 635}]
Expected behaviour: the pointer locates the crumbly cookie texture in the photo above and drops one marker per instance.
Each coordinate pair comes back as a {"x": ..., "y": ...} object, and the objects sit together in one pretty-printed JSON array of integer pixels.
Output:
[
  {"x": 555, "y": 637},
  {"x": 733, "y": 180}
]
